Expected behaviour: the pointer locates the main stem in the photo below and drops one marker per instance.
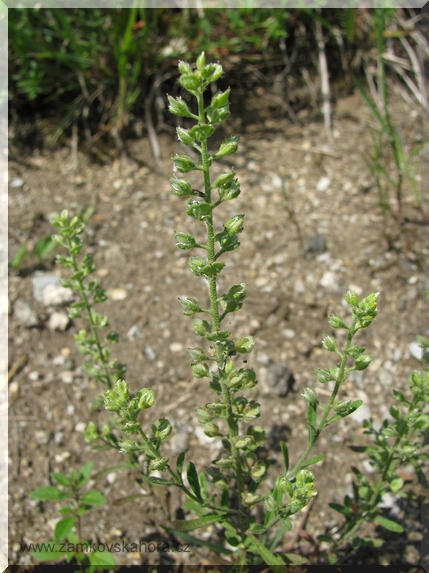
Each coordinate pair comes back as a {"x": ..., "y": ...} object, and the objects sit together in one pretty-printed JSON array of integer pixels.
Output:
[{"x": 220, "y": 358}]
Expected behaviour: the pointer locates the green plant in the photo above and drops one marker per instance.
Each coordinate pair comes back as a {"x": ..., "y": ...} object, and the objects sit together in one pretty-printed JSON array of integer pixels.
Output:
[
  {"x": 232, "y": 486},
  {"x": 40, "y": 250},
  {"x": 387, "y": 137},
  {"x": 67, "y": 543}
]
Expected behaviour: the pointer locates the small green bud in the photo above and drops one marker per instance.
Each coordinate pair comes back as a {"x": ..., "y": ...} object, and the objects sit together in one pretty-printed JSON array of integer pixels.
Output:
[
  {"x": 227, "y": 242},
  {"x": 197, "y": 265},
  {"x": 250, "y": 459},
  {"x": 191, "y": 82},
  {"x": 228, "y": 147},
  {"x": 310, "y": 396},
  {"x": 201, "y": 327},
  {"x": 211, "y": 430},
  {"x": 211, "y": 72},
  {"x": 252, "y": 411},
  {"x": 199, "y": 209},
  {"x": 216, "y": 116},
  {"x": 233, "y": 191},
  {"x": 146, "y": 399},
  {"x": 116, "y": 399},
  {"x": 184, "y": 136},
  {"x": 258, "y": 471},
  {"x": 184, "y": 163},
  {"x": 243, "y": 442},
  {"x": 178, "y": 107},
  {"x": 224, "y": 180},
  {"x": 91, "y": 433},
  {"x": 362, "y": 362},
  {"x": 159, "y": 465},
  {"x": 200, "y": 370},
  {"x": 220, "y": 99},
  {"x": 234, "y": 225},
  {"x": 284, "y": 485},
  {"x": 336, "y": 321},
  {"x": 128, "y": 447},
  {"x": 162, "y": 429},
  {"x": 352, "y": 298},
  {"x": 189, "y": 305},
  {"x": 181, "y": 187},
  {"x": 342, "y": 408},
  {"x": 184, "y": 68},
  {"x": 197, "y": 354},
  {"x": 325, "y": 375},
  {"x": 329, "y": 343},
  {"x": 245, "y": 344},
  {"x": 271, "y": 504},
  {"x": 216, "y": 407},
  {"x": 201, "y": 61},
  {"x": 204, "y": 416},
  {"x": 185, "y": 241},
  {"x": 201, "y": 132}
]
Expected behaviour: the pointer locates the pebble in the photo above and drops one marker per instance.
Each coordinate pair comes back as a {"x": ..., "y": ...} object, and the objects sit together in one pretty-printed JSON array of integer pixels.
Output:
[
  {"x": 117, "y": 293},
  {"x": 54, "y": 295},
  {"x": 150, "y": 353},
  {"x": 278, "y": 379},
  {"x": 62, "y": 457},
  {"x": 17, "y": 183},
  {"x": 24, "y": 314},
  {"x": 415, "y": 350},
  {"x": 176, "y": 347},
  {"x": 80, "y": 427},
  {"x": 34, "y": 376},
  {"x": 323, "y": 184},
  {"x": 42, "y": 437},
  {"x": 66, "y": 377},
  {"x": 133, "y": 332},
  {"x": 58, "y": 321},
  {"x": 70, "y": 410},
  {"x": 13, "y": 391},
  {"x": 385, "y": 377},
  {"x": 59, "y": 438},
  {"x": 111, "y": 477},
  {"x": 329, "y": 281},
  {"x": 316, "y": 244}
]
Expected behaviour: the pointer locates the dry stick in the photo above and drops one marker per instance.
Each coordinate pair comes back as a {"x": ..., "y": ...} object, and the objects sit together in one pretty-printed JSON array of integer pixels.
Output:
[
  {"x": 324, "y": 78},
  {"x": 20, "y": 362}
]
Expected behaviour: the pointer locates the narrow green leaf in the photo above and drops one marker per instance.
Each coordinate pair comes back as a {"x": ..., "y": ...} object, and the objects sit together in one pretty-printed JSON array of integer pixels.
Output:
[
  {"x": 160, "y": 481},
  {"x": 191, "y": 525},
  {"x": 194, "y": 483},
  {"x": 389, "y": 524},
  {"x": 313, "y": 460},
  {"x": 85, "y": 473},
  {"x": 61, "y": 479},
  {"x": 63, "y": 528},
  {"x": 270, "y": 559},
  {"x": 285, "y": 453},
  {"x": 19, "y": 257},
  {"x": 179, "y": 464},
  {"x": 53, "y": 553},
  {"x": 49, "y": 493}
]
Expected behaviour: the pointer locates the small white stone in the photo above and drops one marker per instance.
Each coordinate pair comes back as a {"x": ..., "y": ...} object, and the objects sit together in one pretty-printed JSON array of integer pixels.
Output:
[
  {"x": 80, "y": 427},
  {"x": 288, "y": 333},
  {"x": 111, "y": 478},
  {"x": 323, "y": 184},
  {"x": 117, "y": 293},
  {"x": 42, "y": 437},
  {"x": 17, "y": 183},
  {"x": 415, "y": 350},
  {"x": 58, "y": 321},
  {"x": 53, "y": 295},
  {"x": 70, "y": 410},
  {"x": 67, "y": 377},
  {"x": 34, "y": 375},
  {"x": 62, "y": 457},
  {"x": 176, "y": 347}
]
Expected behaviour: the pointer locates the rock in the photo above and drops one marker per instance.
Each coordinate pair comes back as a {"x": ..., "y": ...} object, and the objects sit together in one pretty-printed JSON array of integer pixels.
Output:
[
  {"x": 363, "y": 412},
  {"x": 133, "y": 332},
  {"x": 150, "y": 353},
  {"x": 415, "y": 350},
  {"x": 329, "y": 281},
  {"x": 316, "y": 244},
  {"x": 42, "y": 280},
  {"x": 176, "y": 347},
  {"x": 24, "y": 314},
  {"x": 323, "y": 184},
  {"x": 17, "y": 183},
  {"x": 58, "y": 321},
  {"x": 117, "y": 293},
  {"x": 277, "y": 379}
]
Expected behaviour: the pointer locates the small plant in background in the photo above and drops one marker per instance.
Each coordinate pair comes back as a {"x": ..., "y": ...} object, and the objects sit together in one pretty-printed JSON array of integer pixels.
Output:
[
  {"x": 230, "y": 489},
  {"x": 68, "y": 542},
  {"x": 387, "y": 138}
]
